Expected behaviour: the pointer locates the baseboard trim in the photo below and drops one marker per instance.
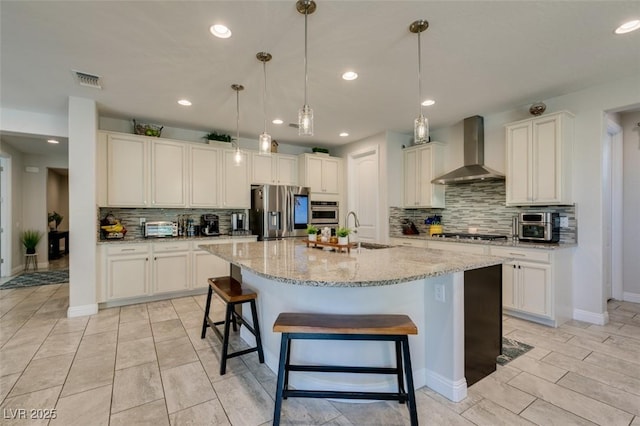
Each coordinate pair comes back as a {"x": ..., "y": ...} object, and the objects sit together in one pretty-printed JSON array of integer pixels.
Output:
[
  {"x": 591, "y": 317},
  {"x": 81, "y": 311},
  {"x": 455, "y": 391},
  {"x": 627, "y": 296}
]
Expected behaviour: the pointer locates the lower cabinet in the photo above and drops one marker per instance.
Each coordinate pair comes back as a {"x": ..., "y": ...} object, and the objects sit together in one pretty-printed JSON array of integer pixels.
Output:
[
  {"x": 127, "y": 271},
  {"x": 171, "y": 266},
  {"x": 206, "y": 265},
  {"x": 527, "y": 287},
  {"x": 409, "y": 242}
]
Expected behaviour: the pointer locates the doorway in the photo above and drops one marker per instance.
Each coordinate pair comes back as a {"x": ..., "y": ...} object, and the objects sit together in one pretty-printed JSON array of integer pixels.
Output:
[
  {"x": 5, "y": 216},
  {"x": 612, "y": 211},
  {"x": 364, "y": 189}
]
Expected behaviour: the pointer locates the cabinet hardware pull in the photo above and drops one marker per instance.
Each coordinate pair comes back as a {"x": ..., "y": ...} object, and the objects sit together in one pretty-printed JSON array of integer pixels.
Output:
[
  {"x": 129, "y": 249},
  {"x": 517, "y": 254}
]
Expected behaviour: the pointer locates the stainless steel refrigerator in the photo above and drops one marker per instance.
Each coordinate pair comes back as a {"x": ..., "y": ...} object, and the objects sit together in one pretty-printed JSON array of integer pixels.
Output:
[{"x": 279, "y": 211}]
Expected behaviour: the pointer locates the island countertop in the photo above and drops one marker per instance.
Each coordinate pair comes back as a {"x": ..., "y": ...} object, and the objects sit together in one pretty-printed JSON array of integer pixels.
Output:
[{"x": 291, "y": 261}]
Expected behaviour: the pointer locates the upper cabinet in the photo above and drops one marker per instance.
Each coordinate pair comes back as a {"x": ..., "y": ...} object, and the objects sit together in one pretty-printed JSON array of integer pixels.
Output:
[
  {"x": 422, "y": 163},
  {"x": 168, "y": 174},
  {"x": 275, "y": 169},
  {"x": 539, "y": 155},
  {"x": 236, "y": 186},
  {"x": 205, "y": 163},
  {"x": 321, "y": 173}
]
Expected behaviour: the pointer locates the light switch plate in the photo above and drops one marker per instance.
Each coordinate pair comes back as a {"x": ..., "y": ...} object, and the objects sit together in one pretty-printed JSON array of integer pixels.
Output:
[
  {"x": 564, "y": 222},
  {"x": 439, "y": 290}
]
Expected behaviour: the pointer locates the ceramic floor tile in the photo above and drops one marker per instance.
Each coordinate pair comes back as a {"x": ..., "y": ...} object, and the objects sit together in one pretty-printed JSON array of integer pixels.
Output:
[
  {"x": 167, "y": 330},
  {"x": 136, "y": 386},
  {"x": 307, "y": 411},
  {"x": 134, "y": 330},
  {"x": 100, "y": 324},
  {"x": 537, "y": 368},
  {"x": 153, "y": 413},
  {"x": 29, "y": 336},
  {"x": 615, "y": 397},
  {"x": 172, "y": 353},
  {"x": 18, "y": 410},
  {"x": 615, "y": 346},
  {"x": 612, "y": 363},
  {"x": 161, "y": 311},
  {"x": 487, "y": 413},
  {"x": 338, "y": 421},
  {"x": 85, "y": 408},
  {"x": 59, "y": 344},
  {"x": 245, "y": 401},
  {"x": 185, "y": 386},
  {"x": 207, "y": 413},
  {"x": 70, "y": 325},
  {"x": 135, "y": 352},
  {"x": 15, "y": 359},
  {"x": 43, "y": 373},
  {"x": 210, "y": 359},
  {"x": 6, "y": 383},
  {"x": 543, "y": 413},
  {"x": 459, "y": 407},
  {"x": 379, "y": 413},
  {"x": 96, "y": 344},
  {"x": 90, "y": 373},
  {"x": 636, "y": 421},
  {"x": 540, "y": 342},
  {"x": 134, "y": 313},
  {"x": 503, "y": 394},
  {"x": 569, "y": 400}
]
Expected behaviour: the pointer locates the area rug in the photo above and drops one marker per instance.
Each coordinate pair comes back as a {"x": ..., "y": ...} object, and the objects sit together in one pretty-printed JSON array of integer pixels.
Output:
[
  {"x": 30, "y": 279},
  {"x": 511, "y": 349}
]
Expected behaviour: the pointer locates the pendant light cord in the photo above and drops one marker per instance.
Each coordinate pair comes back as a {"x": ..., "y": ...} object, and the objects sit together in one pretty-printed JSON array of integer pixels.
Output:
[
  {"x": 237, "y": 118},
  {"x": 419, "y": 76},
  {"x": 305, "y": 52},
  {"x": 264, "y": 95}
]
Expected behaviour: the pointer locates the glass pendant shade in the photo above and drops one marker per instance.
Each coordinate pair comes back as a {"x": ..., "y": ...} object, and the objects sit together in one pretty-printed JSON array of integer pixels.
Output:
[
  {"x": 237, "y": 157},
  {"x": 264, "y": 141},
  {"x": 421, "y": 130},
  {"x": 305, "y": 121}
]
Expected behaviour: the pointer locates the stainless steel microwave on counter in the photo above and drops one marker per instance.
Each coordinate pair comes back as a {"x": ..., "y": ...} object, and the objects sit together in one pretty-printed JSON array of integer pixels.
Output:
[
  {"x": 543, "y": 227},
  {"x": 160, "y": 229}
]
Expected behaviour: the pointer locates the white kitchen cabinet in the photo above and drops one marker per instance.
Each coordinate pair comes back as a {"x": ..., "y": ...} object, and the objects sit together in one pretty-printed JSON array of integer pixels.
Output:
[
  {"x": 171, "y": 266},
  {"x": 205, "y": 176},
  {"x": 408, "y": 242},
  {"x": 321, "y": 173},
  {"x": 536, "y": 284},
  {"x": 127, "y": 271},
  {"x": 422, "y": 163},
  {"x": 275, "y": 169},
  {"x": 168, "y": 174},
  {"x": 236, "y": 183},
  {"x": 127, "y": 171},
  {"x": 207, "y": 265},
  {"x": 459, "y": 247},
  {"x": 539, "y": 160}
]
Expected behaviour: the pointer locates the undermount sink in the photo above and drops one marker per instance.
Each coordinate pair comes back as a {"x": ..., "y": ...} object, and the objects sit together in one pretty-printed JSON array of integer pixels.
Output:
[{"x": 374, "y": 246}]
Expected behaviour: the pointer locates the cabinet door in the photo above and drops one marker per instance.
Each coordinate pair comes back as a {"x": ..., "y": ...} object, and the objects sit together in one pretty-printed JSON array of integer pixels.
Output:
[
  {"x": 330, "y": 176},
  {"x": 425, "y": 188},
  {"x": 205, "y": 176},
  {"x": 535, "y": 288},
  {"x": 236, "y": 189},
  {"x": 410, "y": 178},
  {"x": 287, "y": 167},
  {"x": 262, "y": 169},
  {"x": 205, "y": 266},
  {"x": 168, "y": 174},
  {"x": 518, "y": 179},
  {"x": 509, "y": 281},
  {"x": 127, "y": 276},
  {"x": 546, "y": 160},
  {"x": 314, "y": 173},
  {"x": 171, "y": 271},
  {"x": 127, "y": 171}
]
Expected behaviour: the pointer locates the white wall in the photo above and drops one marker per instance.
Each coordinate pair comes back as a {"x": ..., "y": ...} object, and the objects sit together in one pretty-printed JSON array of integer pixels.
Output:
[
  {"x": 631, "y": 205},
  {"x": 15, "y": 208}
]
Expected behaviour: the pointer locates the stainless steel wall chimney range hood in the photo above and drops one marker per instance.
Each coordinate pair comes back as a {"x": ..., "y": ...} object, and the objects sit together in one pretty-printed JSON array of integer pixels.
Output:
[{"x": 474, "y": 169}]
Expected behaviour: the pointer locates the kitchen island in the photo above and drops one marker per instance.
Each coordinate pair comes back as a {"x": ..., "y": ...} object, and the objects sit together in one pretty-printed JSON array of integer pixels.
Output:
[{"x": 428, "y": 285}]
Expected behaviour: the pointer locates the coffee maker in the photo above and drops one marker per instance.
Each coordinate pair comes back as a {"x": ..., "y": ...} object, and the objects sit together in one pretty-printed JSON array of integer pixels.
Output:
[
  {"x": 238, "y": 221},
  {"x": 209, "y": 225}
]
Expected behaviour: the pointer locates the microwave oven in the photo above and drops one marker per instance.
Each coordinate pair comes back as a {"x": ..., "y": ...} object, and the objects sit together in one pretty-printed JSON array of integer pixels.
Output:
[
  {"x": 324, "y": 213},
  {"x": 160, "y": 229},
  {"x": 542, "y": 227}
]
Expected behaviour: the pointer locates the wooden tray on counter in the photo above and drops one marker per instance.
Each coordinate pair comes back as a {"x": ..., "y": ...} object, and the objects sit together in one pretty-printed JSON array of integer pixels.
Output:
[{"x": 336, "y": 246}]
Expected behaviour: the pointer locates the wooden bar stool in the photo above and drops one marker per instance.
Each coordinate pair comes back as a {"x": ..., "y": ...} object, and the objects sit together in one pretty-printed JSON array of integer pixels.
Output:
[
  {"x": 311, "y": 326},
  {"x": 231, "y": 291}
]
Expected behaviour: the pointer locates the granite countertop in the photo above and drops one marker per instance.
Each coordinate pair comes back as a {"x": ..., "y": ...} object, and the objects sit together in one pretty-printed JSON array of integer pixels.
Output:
[
  {"x": 291, "y": 261},
  {"x": 504, "y": 243},
  {"x": 140, "y": 240}
]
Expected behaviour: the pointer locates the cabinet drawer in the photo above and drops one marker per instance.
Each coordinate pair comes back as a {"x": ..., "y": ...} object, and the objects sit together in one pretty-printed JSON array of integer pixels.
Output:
[
  {"x": 127, "y": 249},
  {"x": 409, "y": 242},
  {"x": 170, "y": 246},
  {"x": 519, "y": 254},
  {"x": 459, "y": 247}
]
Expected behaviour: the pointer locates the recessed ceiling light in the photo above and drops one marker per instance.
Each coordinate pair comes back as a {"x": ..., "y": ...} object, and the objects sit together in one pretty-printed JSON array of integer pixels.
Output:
[
  {"x": 277, "y": 121},
  {"x": 627, "y": 27},
  {"x": 350, "y": 75},
  {"x": 344, "y": 134},
  {"x": 53, "y": 141},
  {"x": 428, "y": 102},
  {"x": 220, "y": 31},
  {"x": 184, "y": 102}
]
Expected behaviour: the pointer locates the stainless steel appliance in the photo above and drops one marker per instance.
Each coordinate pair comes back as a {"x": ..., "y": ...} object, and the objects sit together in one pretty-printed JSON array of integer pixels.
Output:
[
  {"x": 160, "y": 229},
  {"x": 279, "y": 211},
  {"x": 238, "y": 222},
  {"x": 324, "y": 212},
  {"x": 543, "y": 227},
  {"x": 210, "y": 225}
]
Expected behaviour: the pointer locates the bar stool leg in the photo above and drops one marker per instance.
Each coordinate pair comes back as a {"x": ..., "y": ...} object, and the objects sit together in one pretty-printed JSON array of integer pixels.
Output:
[
  {"x": 207, "y": 309},
  {"x": 413, "y": 412},
  {"x": 284, "y": 351},
  {"x": 399, "y": 367},
  {"x": 256, "y": 327},
  {"x": 225, "y": 341}
]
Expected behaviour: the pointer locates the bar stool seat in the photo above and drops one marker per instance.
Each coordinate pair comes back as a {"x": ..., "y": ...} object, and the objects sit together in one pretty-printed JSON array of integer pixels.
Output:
[
  {"x": 232, "y": 293},
  {"x": 31, "y": 260},
  {"x": 312, "y": 326}
]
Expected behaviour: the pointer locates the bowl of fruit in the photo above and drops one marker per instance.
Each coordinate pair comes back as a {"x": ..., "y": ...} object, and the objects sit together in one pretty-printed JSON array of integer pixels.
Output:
[{"x": 147, "y": 129}]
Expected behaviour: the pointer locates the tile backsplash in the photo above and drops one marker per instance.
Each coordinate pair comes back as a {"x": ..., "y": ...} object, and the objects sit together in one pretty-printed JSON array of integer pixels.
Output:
[{"x": 479, "y": 205}]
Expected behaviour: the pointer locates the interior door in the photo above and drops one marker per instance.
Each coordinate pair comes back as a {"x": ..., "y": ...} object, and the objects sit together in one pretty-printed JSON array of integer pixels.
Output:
[{"x": 363, "y": 198}]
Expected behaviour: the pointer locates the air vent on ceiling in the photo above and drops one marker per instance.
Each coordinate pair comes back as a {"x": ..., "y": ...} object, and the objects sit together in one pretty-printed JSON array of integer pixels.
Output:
[{"x": 85, "y": 79}]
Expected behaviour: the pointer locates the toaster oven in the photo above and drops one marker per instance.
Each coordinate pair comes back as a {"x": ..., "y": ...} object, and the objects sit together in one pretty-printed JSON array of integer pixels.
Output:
[
  {"x": 160, "y": 229},
  {"x": 541, "y": 227}
]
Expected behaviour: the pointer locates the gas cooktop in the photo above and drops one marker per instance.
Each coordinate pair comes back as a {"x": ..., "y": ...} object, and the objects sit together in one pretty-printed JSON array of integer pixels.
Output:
[{"x": 463, "y": 236}]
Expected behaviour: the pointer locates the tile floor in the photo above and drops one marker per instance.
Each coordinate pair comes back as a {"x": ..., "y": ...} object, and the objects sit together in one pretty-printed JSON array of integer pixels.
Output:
[{"x": 146, "y": 364}]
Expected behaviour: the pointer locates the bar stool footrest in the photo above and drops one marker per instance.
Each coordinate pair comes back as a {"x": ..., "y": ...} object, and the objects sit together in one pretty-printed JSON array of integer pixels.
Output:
[{"x": 384, "y": 396}]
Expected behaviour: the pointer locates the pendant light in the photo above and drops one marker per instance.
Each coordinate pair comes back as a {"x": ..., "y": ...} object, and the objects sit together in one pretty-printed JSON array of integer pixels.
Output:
[
  {"x": 237, "y": 157},
  {"x": 264, "y": 140},
  {"x": 305, "y": 114},
  {"x": 420, "y": 124}
]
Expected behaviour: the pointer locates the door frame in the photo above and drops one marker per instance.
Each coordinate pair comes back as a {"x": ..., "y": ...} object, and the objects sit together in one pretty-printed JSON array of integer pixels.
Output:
[
  {"x": 5, "y": 217},
  {"x": 612, "y": 211}
]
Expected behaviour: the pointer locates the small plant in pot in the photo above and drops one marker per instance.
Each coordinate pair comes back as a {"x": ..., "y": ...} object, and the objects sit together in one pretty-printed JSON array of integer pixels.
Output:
[
  {"x": 343, "y": 235},
  {"x": 312, "y": 232},
  {"x": 215, "y": 136},
  {"x": 30, "y": 239},
  {"x": 56, "y": 218}
]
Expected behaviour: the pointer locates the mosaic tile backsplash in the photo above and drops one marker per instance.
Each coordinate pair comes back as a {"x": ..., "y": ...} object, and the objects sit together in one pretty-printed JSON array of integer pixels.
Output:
[{"x": 478, "y": 205}]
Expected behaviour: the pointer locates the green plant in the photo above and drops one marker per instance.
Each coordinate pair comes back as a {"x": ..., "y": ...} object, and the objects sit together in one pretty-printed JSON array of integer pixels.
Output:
[
  {"x": 55, "y": 217},
  {"x": 215, "y": 136},
  {"x": 311, "y": 229},
  {"x": 318, "y": 149},
  {"x": 30, "y": 239},
  {"x": 343, "y": 232}
]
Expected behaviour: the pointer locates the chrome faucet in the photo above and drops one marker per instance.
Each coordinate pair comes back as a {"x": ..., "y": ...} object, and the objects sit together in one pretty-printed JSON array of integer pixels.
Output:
[{"x": 355, "y": 217}]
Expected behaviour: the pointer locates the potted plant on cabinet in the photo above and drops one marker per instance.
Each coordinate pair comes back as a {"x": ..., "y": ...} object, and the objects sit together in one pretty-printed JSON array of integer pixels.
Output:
[
  {"x": 312, "y": 232},
  {"x": 56, "y": 218},
  {"x": 343, "y": 235},
  {"x": 215, "y": 136},
  {"x": 30, "y": 239}
]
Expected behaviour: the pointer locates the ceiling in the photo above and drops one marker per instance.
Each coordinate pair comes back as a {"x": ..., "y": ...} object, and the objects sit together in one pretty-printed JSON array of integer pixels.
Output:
[{"x": 478, "y": 57}]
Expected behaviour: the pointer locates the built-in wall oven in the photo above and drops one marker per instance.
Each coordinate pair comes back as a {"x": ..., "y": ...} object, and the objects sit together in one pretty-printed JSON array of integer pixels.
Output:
[{"x": 325, "y": 214}]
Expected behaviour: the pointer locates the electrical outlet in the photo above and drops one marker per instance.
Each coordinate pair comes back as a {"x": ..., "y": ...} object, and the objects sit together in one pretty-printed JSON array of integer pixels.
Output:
[
  {"x": 564, "y": 222},
  {"x": 439, "y": 290},
  {"x": 142, "y": 221}
]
